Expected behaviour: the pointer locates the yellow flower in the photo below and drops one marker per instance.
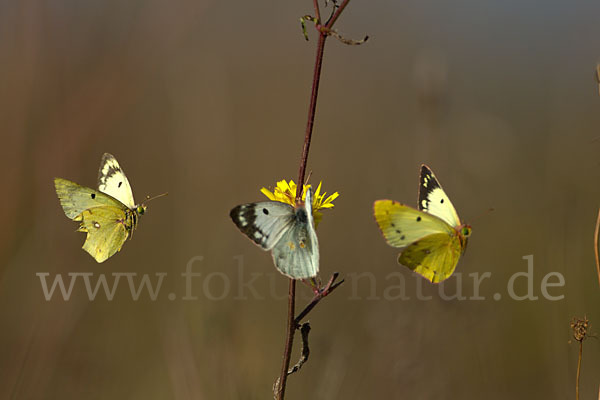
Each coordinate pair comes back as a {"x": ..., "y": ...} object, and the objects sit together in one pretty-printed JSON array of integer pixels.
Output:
[{"x": 286, "y": 193}]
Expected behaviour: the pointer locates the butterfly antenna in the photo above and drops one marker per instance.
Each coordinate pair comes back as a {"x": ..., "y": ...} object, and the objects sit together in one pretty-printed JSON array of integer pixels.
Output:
[
  {"x": 148, "y": 198},
  {"x": 308, "y": 178},
  {"x": 305, "y": 184}
]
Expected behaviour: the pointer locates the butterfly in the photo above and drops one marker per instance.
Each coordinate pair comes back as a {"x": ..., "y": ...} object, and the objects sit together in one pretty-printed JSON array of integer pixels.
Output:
[
  {"x": 433, "y": 238},
  {"x": 108, "y": 215},
  {"x": 289, "y": 232}
]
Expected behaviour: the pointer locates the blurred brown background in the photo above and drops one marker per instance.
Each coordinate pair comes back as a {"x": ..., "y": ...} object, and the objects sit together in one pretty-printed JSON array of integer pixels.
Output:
[{"x": 207, "y": 100}]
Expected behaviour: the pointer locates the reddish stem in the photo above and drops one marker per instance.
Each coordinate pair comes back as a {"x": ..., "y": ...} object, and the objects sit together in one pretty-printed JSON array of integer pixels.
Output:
[
  {"x": 291, "y": 321},
  {"x": 311, "y": 114}
]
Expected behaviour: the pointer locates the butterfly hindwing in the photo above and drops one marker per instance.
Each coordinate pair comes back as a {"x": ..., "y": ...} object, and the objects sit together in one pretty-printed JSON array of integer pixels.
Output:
[
  {"x": 434, "y": 256},
  {"x": 433, "y": 199},
  {"x": 402, "y": 225},
  {"x": 107, "y": 230},
  {"x": 75, "y": 198},
  {"x": 296, "y": 254},
  {"x": 112, "y": 181}
]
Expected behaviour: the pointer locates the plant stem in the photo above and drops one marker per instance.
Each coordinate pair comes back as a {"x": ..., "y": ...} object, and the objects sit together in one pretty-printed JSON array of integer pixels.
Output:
[
  {"x": 291, "y": 324},
  {"x": 315, "y": 88},
  {"x": 311, "y": 114},
  {"x": 321, "y": 293},
  {"x": 289, "y": 340},
  {"x": 317, "y": 9},
  {"x": 337, "y": 14},
  {"x": 596, "y": 246},
  {"x": 578, "y": 370},
  {"x": 291, "y": 321}
]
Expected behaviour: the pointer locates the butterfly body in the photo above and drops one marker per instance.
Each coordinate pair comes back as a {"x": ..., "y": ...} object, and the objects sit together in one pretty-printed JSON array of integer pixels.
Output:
[
  {"x": 108, "y": 215},
  {"x": 288, "y": 232},
  {"x": 432, "y": 237}
]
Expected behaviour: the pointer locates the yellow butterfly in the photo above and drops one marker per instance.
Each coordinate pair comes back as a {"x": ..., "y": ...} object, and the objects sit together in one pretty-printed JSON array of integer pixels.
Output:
[
  {"x": 108, "y": 215},
  {"x": 433, "y": 238}
]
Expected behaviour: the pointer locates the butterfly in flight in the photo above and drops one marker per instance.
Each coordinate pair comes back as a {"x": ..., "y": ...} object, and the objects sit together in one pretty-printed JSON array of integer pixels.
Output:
[
  {"x": 108, "y": 215},
  {"x": 432, "y": 238}
]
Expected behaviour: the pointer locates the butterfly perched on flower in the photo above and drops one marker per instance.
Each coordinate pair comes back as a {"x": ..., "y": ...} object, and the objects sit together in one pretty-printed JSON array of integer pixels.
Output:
[
  {"x": 289, "y": 232},
  {"x": 108, "y": 215},
  {"x": 432, "y": 238},
  {"x": 286, "y": 228}
]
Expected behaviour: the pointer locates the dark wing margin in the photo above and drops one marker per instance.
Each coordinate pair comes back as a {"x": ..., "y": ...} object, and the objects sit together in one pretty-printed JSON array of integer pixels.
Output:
[
  {"x": 427, "y": 184},
  {"x": 263, "y": 223}
]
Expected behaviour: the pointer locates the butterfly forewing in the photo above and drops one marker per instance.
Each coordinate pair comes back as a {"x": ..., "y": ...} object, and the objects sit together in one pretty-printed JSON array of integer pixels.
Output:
[
  {"x": 75, "y": 198},
  {"x": 112, "y": 181},
  {"x": 264, "y": 222},
  {"x": 402, "y": 225},
  {"x": 433, "y": 199}
]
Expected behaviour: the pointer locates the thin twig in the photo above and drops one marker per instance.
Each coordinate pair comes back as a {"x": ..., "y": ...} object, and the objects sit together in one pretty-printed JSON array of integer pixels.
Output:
[
  {"x": 350, "y": 42},
  {"x": 598, "y": 81},
  {"x": 304, "y": 330},
  {"x": 578, "y": 370},
  {"x": 596, "y": 246},
  {"x": 598, "y": 219},
  {"x": 319, "y": 295},
  {"x": 337, "y": 13},
  {"x": 580, "y": 328},
  {"x": 317, "y": 9}
]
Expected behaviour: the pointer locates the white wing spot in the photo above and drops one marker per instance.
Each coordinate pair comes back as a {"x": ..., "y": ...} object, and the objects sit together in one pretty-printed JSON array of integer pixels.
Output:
[{"x": 96, "y": 225}]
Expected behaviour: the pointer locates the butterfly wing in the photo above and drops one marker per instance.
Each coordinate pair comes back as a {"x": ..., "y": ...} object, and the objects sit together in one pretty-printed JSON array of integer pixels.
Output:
[
  {"x": 402, "y": 225},
  {"x": 75, "y": 198},
  {"x": 112, "y": 181},
  {"x": 107, "y": 229},
  {"x": 433, "y": 199},
  {"x": 264, "y": 222},
  {"x": 434, "y": 257},
  {"x": 296, "y": 254}
]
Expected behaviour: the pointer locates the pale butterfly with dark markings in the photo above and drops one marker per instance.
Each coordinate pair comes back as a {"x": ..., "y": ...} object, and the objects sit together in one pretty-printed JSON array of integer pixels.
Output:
[
  {"x": 108, "y": 215},
  {"x": 433, "y": 238},
  {"x": 289, "y": 232}
]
